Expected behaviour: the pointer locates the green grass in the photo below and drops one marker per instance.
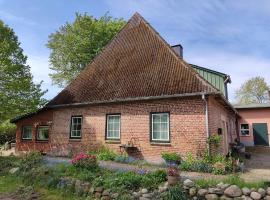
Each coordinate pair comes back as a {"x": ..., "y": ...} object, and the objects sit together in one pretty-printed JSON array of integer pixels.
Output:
[
  {"x": 9, "y": 184},
  {"x": 232, "y": 180}
]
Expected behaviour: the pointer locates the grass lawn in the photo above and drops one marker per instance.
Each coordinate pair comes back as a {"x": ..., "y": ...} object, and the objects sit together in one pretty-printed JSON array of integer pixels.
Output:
[{"x": 9, "y": 184}]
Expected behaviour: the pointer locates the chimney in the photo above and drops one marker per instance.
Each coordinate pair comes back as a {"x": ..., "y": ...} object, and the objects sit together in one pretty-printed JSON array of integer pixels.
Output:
[{"x": 178, "y": 49}]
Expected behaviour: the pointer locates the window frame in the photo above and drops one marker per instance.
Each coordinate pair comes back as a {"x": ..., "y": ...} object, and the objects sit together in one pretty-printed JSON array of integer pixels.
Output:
[
  {"x": 70, "y": 131},
  {"x": 106, "y": 128},
  {"x": 23, "y": 133},
  {"x": 37, "y": 133},
  {"x": 244, "y": 129},
  {"x": 168, "y": 140}
]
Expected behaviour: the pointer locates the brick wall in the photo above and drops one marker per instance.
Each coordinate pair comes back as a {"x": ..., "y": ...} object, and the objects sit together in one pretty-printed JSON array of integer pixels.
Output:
[{"x": 187, "y": 127}]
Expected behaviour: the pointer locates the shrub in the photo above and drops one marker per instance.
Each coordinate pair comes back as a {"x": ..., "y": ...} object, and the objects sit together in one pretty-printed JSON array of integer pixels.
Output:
[
  {"x": 7, "y": 163},
  {"x": 219, "y": 168},
  {"x": 176, "y": 193},
  {"x": 214, "y": 139},
  {"x": 7, "y": 132},
  {"x": 84, "y": 161},
  {"x": 30, "y": 161},
  {"x": 171, "y": 157},
  {"x": 106, "y": 154},
  {"x": 153, "y": 179}
]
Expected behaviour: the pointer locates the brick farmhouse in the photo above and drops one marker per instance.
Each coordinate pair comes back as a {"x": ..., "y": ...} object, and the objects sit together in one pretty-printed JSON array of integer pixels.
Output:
[{"x": 138, "y": 95}]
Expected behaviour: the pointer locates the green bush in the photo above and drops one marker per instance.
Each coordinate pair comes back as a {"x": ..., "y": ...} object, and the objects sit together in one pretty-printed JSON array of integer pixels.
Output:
[
  {"x": 6, "y": 163},
  {"x": 171, "y": 157},
  {"x": 176, "y": 193},
  {"x": 30, "y": 161},
  {"x": 106, "y": 154},
  {"x": 85, "y": 161},
  {"x": 7, "y": 132}
]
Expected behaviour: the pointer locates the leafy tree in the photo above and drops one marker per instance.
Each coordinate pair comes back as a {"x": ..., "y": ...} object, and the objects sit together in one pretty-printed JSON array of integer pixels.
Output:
[
  {"x": 75, "y": 44},
  {"x": 18, "y": 93},
  {"x": 254, "y": 90}
]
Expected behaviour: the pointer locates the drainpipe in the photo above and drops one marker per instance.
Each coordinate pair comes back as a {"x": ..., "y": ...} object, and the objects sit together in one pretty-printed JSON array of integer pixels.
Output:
[{"x": 206, "y": 121}]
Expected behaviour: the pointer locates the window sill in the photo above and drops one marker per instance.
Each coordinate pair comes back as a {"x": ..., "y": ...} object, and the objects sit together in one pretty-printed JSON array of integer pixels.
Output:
[
  {"x": 160, "y": 143},
  {"x": 245, "y": 135},
  {"x": 113, "y": 141},
  {"x": 75, "y": 139},
  {"x": 26, "y": 140}
]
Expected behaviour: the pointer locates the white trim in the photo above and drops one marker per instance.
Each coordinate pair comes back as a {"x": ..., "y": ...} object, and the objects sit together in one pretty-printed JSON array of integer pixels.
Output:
[
  {"x": 71, "y": 128},
  {"x": 244, "y": 129},
  {"x": 119, "y": 130},
  {"x": 168, "y": 126}
]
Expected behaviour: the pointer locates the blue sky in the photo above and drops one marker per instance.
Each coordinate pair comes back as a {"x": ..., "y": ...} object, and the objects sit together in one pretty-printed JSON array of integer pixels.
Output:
[{"x": 229, "y": 36}]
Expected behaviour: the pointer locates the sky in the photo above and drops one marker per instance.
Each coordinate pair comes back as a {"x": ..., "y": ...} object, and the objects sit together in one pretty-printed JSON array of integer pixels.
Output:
[{"x": 229, "y": 36}]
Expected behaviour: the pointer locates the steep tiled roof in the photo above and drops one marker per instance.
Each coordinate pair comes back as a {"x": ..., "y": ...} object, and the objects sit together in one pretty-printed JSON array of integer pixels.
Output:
[{"x": 136, "y": 63}]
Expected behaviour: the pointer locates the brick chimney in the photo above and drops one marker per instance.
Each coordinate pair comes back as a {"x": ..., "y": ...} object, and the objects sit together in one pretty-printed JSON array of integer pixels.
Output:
[{"x": 178, "y": 49}]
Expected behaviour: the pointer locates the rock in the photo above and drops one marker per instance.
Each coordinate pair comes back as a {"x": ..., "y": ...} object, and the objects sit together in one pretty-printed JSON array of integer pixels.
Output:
[
  {"x": 215, "y": 191},
  {"x": 99, "y": 189},
  {"x": 115, "y": 195},
  {"x": 262, "y": 191},
  {"x": 105, "y": 198},
  {"x": 14, "y": 170},
  {"x": 166, "y": 184},
  {"x": 255, "y": 195},
  {"x": 211, "y": 197},
  {"x": 147, "y": 195},
  {"x": 246, "y": 191},
  {"x": 192, "y": 191},
  {"x": 233, "y": 191},
  {"x": 144, "y": 191},
  {"x": 143, "y": 198},
  {"x": 266, "y": 197},
  {"x": 189, "y": 183},
  {"x": 223, "y": 197},
  {"x": 162, "y": 189},
  {"x": 136, "y": 194},
  {"x": 195, "y": 198},
  {"x": 219, "y": 184},
  {"x": 268, "y": 191},
  {"x": 202, "y": 192},
  {"x": 106, "y": 192},
  {"x": 92, "y": 190},
  {"x": 97, "y": 195},
  {"x": 225, "y": 186},
  {"x": 253, "y": 190},
  {"x": 245, "y": 197}
]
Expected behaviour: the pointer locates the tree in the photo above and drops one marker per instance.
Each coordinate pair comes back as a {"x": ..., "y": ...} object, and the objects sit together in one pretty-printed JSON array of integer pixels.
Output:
[
  {"x": 75, "y": 44},
  {"x": 254, "y": 90},
  {"x": 18, "y": 93}
]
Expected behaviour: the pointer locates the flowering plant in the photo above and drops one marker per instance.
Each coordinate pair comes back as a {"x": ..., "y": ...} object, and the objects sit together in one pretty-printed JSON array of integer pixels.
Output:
[
  {"x": 84, "y": 161},
  {"x": 173, "y": 171}
]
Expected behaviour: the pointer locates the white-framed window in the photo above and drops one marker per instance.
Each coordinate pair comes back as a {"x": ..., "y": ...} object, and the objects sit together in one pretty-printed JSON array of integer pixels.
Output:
[
  {"x": 76, "y": 127},
  {"x": 27, "y": 133},
  {"x": 43, "y": 133},
  {"x": 244, "y": 129},
  {"x": 160, "y": 127},
  {"x": 113, "y": 126}
]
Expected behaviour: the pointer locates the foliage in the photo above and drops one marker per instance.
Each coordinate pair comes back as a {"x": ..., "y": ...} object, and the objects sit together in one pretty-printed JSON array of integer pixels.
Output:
[
  {"x": 214, "y": 139},
  {"x": 7, "y": 132},
  {"x": 176, "y": 193},
  {"x": 7, "y": 163},
  {"x": 76, "y": 44},
  {"x": 171, "y": 157},
  {"x": 30, "y": 161},
  {"x": 18, "y": 93},
  {"x": 106, "y": 154},
  {"x": 253, "y": 90},
  {"x": 85, "y": 161}
]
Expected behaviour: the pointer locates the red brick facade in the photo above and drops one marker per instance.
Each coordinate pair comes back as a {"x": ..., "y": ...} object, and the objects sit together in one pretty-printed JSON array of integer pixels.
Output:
[{"x": 187, "y": 127}]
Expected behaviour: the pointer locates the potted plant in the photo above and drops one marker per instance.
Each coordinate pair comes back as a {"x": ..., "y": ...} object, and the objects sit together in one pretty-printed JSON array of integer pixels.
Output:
[
  {"x": 173, "y": 175},
  {"x": 171, "y": 158}
]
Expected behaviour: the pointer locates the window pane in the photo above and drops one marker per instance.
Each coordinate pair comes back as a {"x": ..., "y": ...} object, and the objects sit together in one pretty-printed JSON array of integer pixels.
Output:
[
  {"x": 245, "y": 132},
  {"x": 156, "y": 118},
  {"x": 156, "y": 127},
  {"x": 43, "y": 133},
  {"x": 160, "y": 126},
  {"x": 113, "y": 126},
  {"x": 27, "y": 132},
  {"x": 76, "y": 127},
  {"x": 164, "y": 118},
  {"x": 164, "y": 136},
  {"x": 164, "y": 127},
  {"x": 156, "y": 135},
  {"x": 244, "y": 126}
]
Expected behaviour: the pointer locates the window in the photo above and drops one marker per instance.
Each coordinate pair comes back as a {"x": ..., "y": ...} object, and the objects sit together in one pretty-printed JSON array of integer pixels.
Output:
[
  {"x": 76, "y": 127},
  {"x": 113, "y": 127},
  {"x": 43, "y": 133},
  {"x": 27, "y": 133},
  {"x": 160, "y": 124},
  {"x": 244, "y": 129}
]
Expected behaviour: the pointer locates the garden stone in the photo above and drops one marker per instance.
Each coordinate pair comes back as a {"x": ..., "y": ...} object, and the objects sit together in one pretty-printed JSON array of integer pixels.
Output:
[
  {"x": 189, "y": 183},
  {"x": 14, "y": 170},
  {"x": 99, "y": 189},
  {"x": 246, "y": 191},
  {"x": 143, "y": 198},
  {"x": 97, "y": 195},
  {"x": 268, "y": 191},
  {"x": 225, "y": 198},
  {"x": 106, "y": 192},
  {"x": 166, "y": 184},
  {"x": 246, "y": 197},
  {"x": 215, "y": 191},
  {"x": 115, "y": 195},
  {"x": 255, "y": 195},
  {"x": 192, "y": 191},
  {"x": 262, "y": 191},
  {"x": 253, "y": 190},
  {"x": 105, "y": 198},
  {"x": 233, "y": 191},
  {"x": 147, "y": 195},
  {"x": 144, "y": 190},
  {"x": 225, "y": 186},
  {"x": 195, "y": 198},
  {"x": 136, "y": 194},
  {"x": 202, "y": 192},
  {"x": 162, "y": 189},
  {"x": 266, "y": 198},
  {"x": 211, "y": 197}
]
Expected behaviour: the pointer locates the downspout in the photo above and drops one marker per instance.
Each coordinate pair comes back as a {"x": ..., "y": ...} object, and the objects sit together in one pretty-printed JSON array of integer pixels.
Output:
[{"x": 206, "y": 122}]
